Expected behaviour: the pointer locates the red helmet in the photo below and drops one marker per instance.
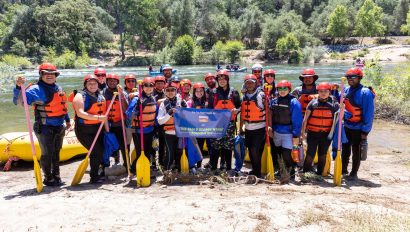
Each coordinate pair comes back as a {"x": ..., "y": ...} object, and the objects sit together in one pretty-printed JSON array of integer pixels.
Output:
[
  {"x": 186, "y": 81},
  {"x": 269, "y": 71},
  {"x": 98, "y": 71},
  {"x": 89, "y": 77},
  {"x": 354, "y": 72},
  {"x": 198, "y": 85},
  {"x": 149, "y": 80},
  {"x": 308, "y": 73},
  {"x": 208, "y": 75},
  {"x": 250, "y": 77},
  {"x": 48, "y": 68},
  {"x": 113, "y": 76},
  {"x": 130, "y": 76},
  {"x": 159, "y": 78},
  {"x": 172, "y": 84},
  {"x": 284, "y": 83},
  {"x": 323, "y": 86},
  {"x": 222, "y": 72}
]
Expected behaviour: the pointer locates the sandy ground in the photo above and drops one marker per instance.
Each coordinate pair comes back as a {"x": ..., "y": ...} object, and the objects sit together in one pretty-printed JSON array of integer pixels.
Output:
[{"x": 379, "y": 200}]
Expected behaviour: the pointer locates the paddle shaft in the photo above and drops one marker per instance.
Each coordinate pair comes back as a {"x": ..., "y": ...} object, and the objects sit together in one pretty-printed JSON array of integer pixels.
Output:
[
  {"x": 141, "y": 128},
  {"x": 339, "y": 138},
  {"x": 267, "y": 113},
  {"x": 183, "y": 98},
  {"x": 30, "y": 130},
  {"x": 123, "y": 133}
]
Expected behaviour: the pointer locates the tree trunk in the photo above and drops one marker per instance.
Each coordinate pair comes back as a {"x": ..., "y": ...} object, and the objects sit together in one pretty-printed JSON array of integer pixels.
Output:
[{"x": 122, "y": 48}]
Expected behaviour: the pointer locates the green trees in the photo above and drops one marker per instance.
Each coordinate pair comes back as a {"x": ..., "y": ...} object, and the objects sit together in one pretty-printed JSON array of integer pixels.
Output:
[
  {"x": 338, "y": 22},
  {"x": 288, "y": 48},
  {"x": 368, "y": 20},
  {"x": 251, "y": 23},
  {"x": 232, "y": 49},
  {"x": 405, "y": 28},
  {"x": 183, "y": 50}
]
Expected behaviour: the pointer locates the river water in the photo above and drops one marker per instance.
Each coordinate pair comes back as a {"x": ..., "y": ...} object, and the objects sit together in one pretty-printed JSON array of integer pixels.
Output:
[{"x": 12, "y": 117}]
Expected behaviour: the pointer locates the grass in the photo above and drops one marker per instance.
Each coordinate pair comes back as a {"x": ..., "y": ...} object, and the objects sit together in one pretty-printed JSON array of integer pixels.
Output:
[
  {"x": 339, "y": 56},
  {"x": 314, "y": 217}
]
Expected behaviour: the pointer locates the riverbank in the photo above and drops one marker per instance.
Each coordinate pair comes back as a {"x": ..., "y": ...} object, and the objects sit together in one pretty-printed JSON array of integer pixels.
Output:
[{"x": 378, "y": 201}]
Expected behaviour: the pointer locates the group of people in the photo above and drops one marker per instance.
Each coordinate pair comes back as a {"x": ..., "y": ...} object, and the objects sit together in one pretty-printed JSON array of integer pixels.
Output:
[{"x": 308, "y": 112}]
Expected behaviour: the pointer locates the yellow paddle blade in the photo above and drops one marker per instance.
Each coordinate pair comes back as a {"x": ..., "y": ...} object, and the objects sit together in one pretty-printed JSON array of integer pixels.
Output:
[
  {"x": 80, "y": 172},
  {"x": 247, "y": 158},
  {"x": 184, "y": 163},
  {"x": 264, "y": 159},
  {"x": 269, "y": 165},
  {"x": 205, "y": 147},
  {"x": 337, "y": 175},
  {"x": 326, "y": 169},
  {"x": 133, "y": 155},
  {"x": 316, "y": 159},
  {"x": 37, "y": 174},
  {"x": 143, "y": 171}
]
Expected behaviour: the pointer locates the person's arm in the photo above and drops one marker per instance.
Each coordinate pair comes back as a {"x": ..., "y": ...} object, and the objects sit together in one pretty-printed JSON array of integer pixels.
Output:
[
  {"x": 367, "y": 112},
  {"x": 131, "y": 109},
  {"x": 296, "y": 112},
  {"x": 78, "y": 104},
  {"x": 270, "y": 130},
  {"x": 163, "y": 115}
]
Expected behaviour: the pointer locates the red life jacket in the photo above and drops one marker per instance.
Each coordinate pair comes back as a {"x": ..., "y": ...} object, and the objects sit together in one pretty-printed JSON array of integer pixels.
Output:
[
  {"x": 321, "y": 117},
  {"x": 92, "y": 105},
  {"x": 149, "y": 108},
  {"x": 250, "y": 112},
  {"x": 225, "y": 104}
]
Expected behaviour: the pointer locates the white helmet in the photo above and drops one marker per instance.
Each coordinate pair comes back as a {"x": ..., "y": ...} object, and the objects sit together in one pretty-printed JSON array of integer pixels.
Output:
[{"x": 257, "y": 67}]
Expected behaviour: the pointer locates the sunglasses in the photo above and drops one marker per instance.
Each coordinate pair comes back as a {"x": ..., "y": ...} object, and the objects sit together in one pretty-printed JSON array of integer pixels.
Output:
[
  {"x": 352, "y": 77},
  {"x": 256, "y": 71},
  {"x": 282, "y": 88},
  {"x": 148, "y": 85},
  {"x": 132, "y": 80},
  {"x": 170, "y": 90},
  {"x": 100, "y": 75},
  {"x": 269, "y": 75}
]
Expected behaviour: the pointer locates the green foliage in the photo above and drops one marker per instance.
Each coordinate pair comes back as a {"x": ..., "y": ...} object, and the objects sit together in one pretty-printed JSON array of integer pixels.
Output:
[
  {"x": 232, "y": 49},
  {"x": 368, "y": 20},
  {"x": 182, "y": 18},
  {"x": 16, "y": 61},
  {"x": 338, "y": 56},
  {"x": 18, "y": 48},
  {"x": 183, "y": 50},
  {"x": 338, "y": 22},
  {"x": 405, "y": 28},
  {"x": 313, "y": 54},
  {"x": 198, "y": 57},
  {"x": 218, "y": 52},
  {"x": 251, "y": 24},
  {"x": 288, "y": 48},
  {"x": 135, "y": 61},
  {"x": 7, "y": 73},
  {"x": 400, "y": 13},
  {"x": 162, "y": 38},
  {"x": 68, "y": 59}
]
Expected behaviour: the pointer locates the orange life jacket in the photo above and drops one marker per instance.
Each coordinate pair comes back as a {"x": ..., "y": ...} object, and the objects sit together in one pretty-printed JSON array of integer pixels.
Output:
[
  {"x": 304, "y": 100},
  {"x": 250, "y": 112},
  {"x": 225, "y": 104},
  {"x": 115, "y": 113},
  {"x": 321, "y": 117},
  {"x": 170, "y": 124},
  {"x": 57, "y": 107},
  {"x": 354, "y": 110},
  {"x": 149, "y": 108},
  {"x": 94, "y": 106}
]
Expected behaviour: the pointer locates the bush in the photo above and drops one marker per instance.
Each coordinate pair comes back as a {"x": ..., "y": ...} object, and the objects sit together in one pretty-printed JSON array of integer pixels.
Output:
[
  {"x": 135, "y": 61},
  {"x": 232, "y": 49},
  {"x": 163, "y": 57},
  {"x": 198, "y": 56},
  {"x": 218, "y": 53},
  {"x": 66, "y": 60},
  {"x": 313, "y": 54},
  {"x": 338, "y": 56},
  {"x": 18, "y": 48},
  {"x": 183, "y": 50},
  {"x": 288, "y": 48},
  {"x": 16, "y": 61},
  {"x": 7, "y": 73}
]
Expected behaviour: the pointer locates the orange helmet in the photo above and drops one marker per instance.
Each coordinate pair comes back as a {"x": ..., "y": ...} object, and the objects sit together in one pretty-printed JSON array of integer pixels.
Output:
[
  {"x": 48, "y": 68},
  {"x": 222, "y": 72},
  {"x": 284, "y": 83},
  {"x": 148, "y": 80},
  {"x": 208, "y": 75},
  {"x": 269, "y": 71},
  {"x": 198, "y": 85},
  {"x": 113, "y": 76},
  {"x": 323, "y": 86},
  {"x": 250, "y": 77},
  {"x": 89, "y": 77},
  {"x": 308, "y": 73},
  {"x": 186, "y": 81},
  {"x": 354, "y": 72},
  {"x": 159, "y": 78},
  {"x": 130, "y": 76},
  {"x": 172, "y": 84},
  {"x": 99, "y": 71}
]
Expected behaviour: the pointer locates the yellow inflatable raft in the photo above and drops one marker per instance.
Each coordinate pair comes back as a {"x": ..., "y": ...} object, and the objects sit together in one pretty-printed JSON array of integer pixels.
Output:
[{"x": 16, "y": 145}]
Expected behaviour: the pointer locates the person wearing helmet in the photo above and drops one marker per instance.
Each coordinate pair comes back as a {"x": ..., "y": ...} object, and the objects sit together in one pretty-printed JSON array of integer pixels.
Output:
[
  {"x": 159, "y": 96},
  {"x": 317, "y": 124},
  {"x": 167, "y": 72},
  {"x": 285, "y": 122},
  {"x": 149, "y": 113},
  {"x": 166, "y": 119},
  {"x": 101, "y": 74},
  {"x": 210, "y": 81},
  {"x": 186, "y": 89},
  {"x": 224, "y": 97},
  {"x": 257, "y": 71},
  {"x": 90, "y": 106},
  {"x": 358, "y": 121},
  {"x": 50, "y": 110},
  {"x": 253, "y": 117},
  {"x": 307, "y": 91},
  {"x": 130, "y": 84},
  {"x": 114, "y": 117}
]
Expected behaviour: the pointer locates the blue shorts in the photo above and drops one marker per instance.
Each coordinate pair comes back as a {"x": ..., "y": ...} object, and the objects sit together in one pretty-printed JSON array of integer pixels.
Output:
[{"x": 282, "y": 140}]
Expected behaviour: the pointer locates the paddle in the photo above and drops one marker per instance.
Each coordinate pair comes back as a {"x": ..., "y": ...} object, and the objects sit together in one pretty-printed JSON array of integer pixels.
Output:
[
  {"x": 337, "y": 175},
  {"x": 143, "y": 165},
  {"x": 184, "y": 159},
  {"x": 267, "y": 151},
  {"x": 37, "y": 172},
  {"x": 84, "y": 164},
  {"x": 123, "y": 133}
]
